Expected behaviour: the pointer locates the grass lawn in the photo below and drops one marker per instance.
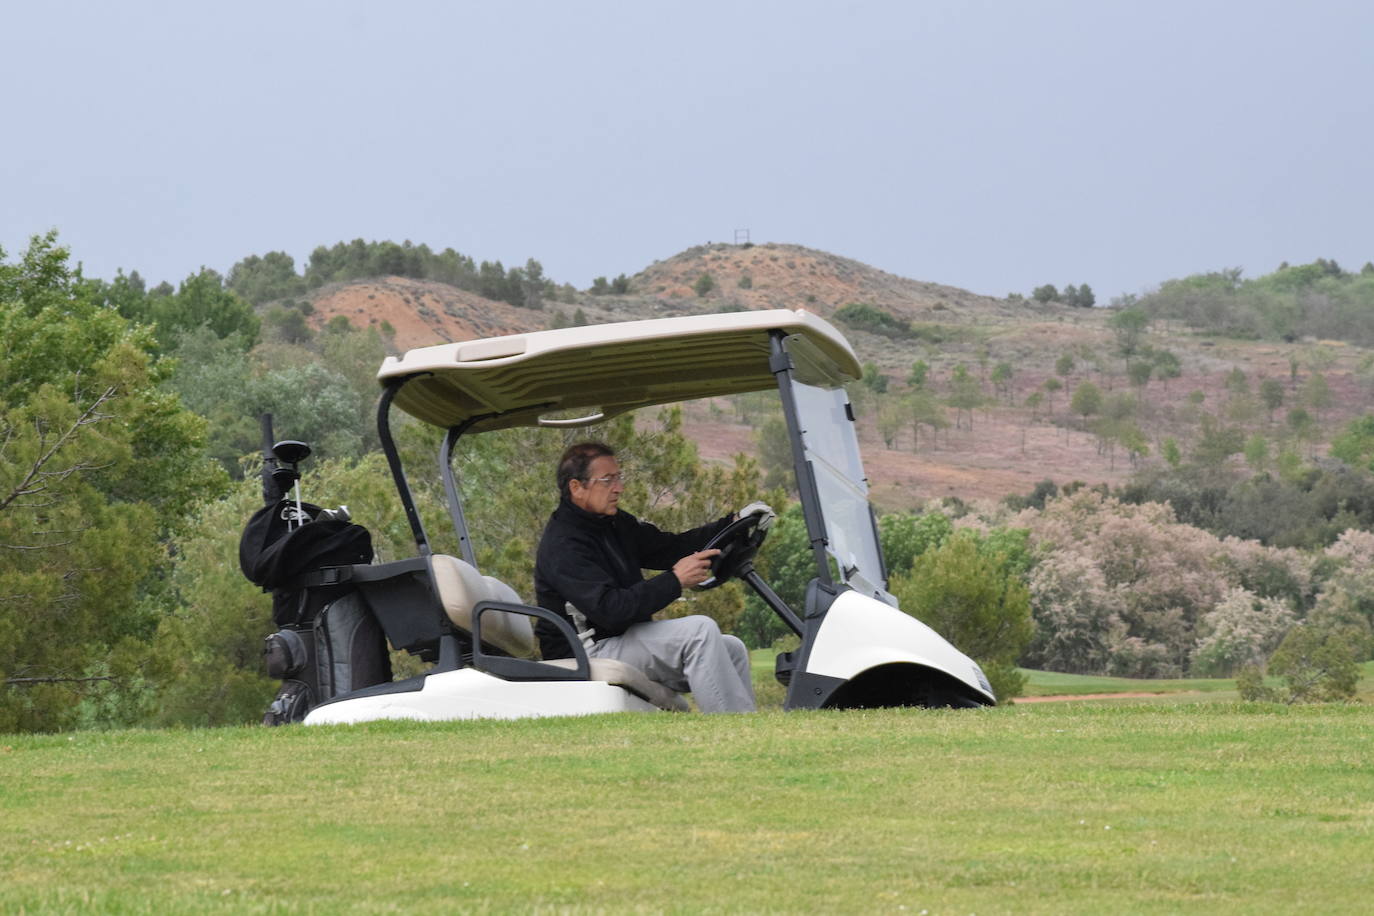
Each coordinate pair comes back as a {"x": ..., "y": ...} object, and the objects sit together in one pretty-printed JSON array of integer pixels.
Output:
[{"x": 1044, "y": 808}]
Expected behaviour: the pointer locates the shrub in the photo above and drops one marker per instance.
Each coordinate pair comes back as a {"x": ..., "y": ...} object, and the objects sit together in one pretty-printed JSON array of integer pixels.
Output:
[
  {"x": 969, "y": 595},
  {"x": 872, "y": 319},
  {"x": 1316, "y": 665}
]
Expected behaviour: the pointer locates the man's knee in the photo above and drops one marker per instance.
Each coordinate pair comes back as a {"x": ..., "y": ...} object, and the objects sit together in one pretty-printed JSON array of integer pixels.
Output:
[{"x": 701, "y": 625}]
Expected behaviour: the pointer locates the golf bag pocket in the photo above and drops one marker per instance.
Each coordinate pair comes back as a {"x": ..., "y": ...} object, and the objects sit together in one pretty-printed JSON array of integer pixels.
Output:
[
  {"x": 285, "y": 654},
  {"x": 350, "y": 650},
  {"x": 290, "y": 704}
]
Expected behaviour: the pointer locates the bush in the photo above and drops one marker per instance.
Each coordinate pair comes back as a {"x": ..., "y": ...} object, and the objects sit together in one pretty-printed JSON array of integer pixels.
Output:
[
  {"x": 1315, "y": 663},
  {"x": 968, "y": 594},
  {"x": 874, "y": 320}
]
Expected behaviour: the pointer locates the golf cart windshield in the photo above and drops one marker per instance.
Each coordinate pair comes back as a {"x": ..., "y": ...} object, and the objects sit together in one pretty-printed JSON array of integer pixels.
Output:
[{"x": 826, "y": 425}]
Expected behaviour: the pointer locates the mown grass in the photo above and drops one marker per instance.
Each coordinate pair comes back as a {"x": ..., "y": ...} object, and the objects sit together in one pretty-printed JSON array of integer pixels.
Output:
[
  {"x": 1044, "y": 808},
  {"x": 1051, "y": 683}
]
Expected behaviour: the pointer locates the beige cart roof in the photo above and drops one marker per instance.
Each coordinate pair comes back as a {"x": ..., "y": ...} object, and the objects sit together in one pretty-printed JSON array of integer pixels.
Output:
[{"x": 611, "y": 368}]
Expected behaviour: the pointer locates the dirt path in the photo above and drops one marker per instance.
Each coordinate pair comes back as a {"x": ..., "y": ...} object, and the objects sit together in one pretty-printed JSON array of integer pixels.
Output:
[{"x": 1089, "y": 696}]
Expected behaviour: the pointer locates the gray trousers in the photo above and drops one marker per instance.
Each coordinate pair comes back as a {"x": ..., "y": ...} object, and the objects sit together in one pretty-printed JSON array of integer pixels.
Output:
[{"x": 687, "y": 654}]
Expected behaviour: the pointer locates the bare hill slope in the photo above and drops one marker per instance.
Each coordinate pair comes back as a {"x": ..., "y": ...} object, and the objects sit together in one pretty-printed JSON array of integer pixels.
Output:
[{"x": 1024, "y": 431}]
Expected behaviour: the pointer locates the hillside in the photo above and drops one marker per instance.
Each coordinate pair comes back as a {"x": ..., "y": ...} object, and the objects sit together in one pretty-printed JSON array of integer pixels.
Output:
[{"x": 1003, "y": 447}]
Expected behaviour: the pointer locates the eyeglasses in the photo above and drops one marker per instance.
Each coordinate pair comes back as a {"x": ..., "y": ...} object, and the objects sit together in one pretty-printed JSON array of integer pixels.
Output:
[{"x": 609, "y": 479}]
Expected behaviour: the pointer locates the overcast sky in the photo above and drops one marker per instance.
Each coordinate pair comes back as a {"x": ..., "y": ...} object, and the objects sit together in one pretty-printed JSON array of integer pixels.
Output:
[{"x": 994, "y": 146}]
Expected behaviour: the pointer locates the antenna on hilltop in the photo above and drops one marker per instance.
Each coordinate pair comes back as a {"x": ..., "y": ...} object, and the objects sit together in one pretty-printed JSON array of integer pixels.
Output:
[{"x": 741, "y": 236}]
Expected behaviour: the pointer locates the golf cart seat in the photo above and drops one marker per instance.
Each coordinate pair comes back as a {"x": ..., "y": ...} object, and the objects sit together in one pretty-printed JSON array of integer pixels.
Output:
[{"x": 462, "y": 589}]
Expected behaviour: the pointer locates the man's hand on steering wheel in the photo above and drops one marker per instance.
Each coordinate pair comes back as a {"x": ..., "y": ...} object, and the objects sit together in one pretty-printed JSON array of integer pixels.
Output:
[
  {"x": 695, "y": 568},
  {"x": 764, "y": 511}
]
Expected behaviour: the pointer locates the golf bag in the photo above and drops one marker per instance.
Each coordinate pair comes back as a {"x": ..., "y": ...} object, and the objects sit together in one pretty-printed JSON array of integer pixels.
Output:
[{"x": 328, "y": 641}]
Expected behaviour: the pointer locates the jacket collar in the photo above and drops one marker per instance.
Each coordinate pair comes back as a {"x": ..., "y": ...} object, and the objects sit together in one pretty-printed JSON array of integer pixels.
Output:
[{"x": 573, "y": 512}]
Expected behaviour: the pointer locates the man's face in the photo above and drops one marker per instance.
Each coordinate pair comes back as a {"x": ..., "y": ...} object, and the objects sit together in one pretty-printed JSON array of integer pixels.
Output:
[{"x": 600, "y": 493}]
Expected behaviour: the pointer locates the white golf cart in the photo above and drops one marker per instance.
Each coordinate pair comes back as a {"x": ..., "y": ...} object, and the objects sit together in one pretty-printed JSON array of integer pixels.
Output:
[{"x": 857, "y": 648}]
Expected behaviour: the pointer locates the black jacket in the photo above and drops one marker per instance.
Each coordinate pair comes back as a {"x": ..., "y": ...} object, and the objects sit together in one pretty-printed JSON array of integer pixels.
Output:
[{"x": 594, "y": 562}]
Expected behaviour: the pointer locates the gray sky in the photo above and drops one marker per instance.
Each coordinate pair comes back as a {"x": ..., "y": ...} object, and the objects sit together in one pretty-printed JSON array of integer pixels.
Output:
[{"x": 993, "y": 146}]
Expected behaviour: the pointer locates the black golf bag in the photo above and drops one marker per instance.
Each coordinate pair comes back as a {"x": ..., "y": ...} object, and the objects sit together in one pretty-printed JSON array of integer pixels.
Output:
[{"x": 328, "y": 641}]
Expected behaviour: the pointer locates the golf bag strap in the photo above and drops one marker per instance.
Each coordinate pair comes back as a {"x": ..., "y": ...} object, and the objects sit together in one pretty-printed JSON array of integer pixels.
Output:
[{"x": 338, "y": 575}]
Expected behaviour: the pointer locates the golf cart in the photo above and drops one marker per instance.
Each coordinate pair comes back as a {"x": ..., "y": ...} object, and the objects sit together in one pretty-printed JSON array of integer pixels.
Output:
[{"x": 857, "y": 648}]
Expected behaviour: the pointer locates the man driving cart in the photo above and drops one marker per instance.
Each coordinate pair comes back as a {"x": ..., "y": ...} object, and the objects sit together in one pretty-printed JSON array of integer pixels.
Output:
[{"x": 588, "y": 570}]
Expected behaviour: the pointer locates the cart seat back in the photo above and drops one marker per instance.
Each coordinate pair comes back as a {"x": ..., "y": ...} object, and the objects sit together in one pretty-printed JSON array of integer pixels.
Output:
[{"x": 461, "y": 588}]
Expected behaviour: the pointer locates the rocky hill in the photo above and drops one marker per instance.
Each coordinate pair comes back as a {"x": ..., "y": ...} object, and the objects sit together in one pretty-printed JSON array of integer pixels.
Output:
[
  {"x": 423, "y": 312},
  {"x": 791, "y": 276}
]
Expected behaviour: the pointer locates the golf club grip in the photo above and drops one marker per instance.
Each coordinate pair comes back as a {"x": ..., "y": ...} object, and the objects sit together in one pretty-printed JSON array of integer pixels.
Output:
[
  {"x": 270, "y": 491},
  {"x": 267, "y": 438}
]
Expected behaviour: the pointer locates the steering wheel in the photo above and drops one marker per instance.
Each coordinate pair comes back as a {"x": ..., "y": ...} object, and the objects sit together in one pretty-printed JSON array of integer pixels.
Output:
[{"x": 738, "y": 542}]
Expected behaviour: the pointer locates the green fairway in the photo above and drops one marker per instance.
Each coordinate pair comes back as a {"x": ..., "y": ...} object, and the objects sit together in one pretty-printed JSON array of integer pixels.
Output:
[
  {"x": 1050, "y": 683},
  {"x": 1052, "y": 808}
]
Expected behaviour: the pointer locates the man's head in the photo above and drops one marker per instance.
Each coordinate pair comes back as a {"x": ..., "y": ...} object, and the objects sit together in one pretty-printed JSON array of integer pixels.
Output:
[{"x": 590, "y": 477}]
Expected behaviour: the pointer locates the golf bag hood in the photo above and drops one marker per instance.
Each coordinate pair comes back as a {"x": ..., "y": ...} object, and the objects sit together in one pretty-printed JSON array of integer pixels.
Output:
[{"x": 273, "y": 555}]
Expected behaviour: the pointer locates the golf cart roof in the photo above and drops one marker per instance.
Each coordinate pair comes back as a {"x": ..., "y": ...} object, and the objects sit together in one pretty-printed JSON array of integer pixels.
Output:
[{"x": 608, "y": 369}]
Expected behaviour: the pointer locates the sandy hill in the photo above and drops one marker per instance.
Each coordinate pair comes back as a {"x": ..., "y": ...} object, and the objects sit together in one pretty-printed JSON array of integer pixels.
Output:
[
  {"x": 421, "y": 312},
  {"x": 791, "y": 276}
]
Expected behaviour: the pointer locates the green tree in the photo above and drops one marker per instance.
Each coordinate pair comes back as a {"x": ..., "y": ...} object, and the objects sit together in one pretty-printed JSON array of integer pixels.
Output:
[
  {"x": 1139, "y": 372},
  {"x": 1317, "y": 665},
  {"x": 703, "y": 286},
  {"x": 874, "y": 379},
  {"x": 1166, "y": 365},
  {"x": 1046, "y": 293},
  {"x": 533, "y": 285},
  {"x": 891, "y": 418},
  {"x": 263, "y": 279},
  {"x": 100, "y": 467},
  {"x": 1086, "y": 401},
  {"x": 289, "y": 325},
  {"x": 1355, "y": 444},
  {"x": 1129, "y": 325},
  {"x": 975, "y": 600},
  {"x": 905, "y": 536},
  {"x": 1316, "y": 393},
  {"x": 965, "y": 395},
  {"x": 1052, "y": 387},
  {"x": 1001, "y": 379},
  {"x": 1171, "y": 453},
  {"x": 919, "y": 372},
  {"x": 1271, "y": 395},
  {"x": 923, "y": 409},
  {"x": 775, "y": 455},
  {"x": 1257, "y": 452}
]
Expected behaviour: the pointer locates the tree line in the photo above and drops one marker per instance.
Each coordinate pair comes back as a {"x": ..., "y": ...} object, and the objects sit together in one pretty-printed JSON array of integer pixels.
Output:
[
  {"x": 1320, "y": 300},
  {"x": 273, "y": 276}
]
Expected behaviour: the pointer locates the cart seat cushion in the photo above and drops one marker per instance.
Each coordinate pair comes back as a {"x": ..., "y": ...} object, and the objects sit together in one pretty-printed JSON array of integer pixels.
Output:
[
  {"x": 461, "y": 588},
  {"x": 618, "y": 674}
]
